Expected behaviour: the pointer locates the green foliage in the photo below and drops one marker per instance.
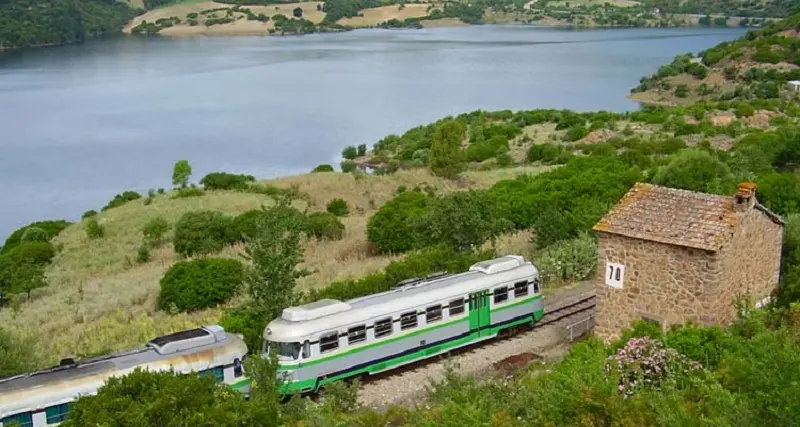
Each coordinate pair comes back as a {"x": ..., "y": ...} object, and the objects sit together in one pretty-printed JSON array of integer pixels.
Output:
[
  {"x": 15, "y": 354},
  {"x": 337, "y": 9},
  {"x": 696, "y": 170},
  {"x": 186, "y": 192},
  {"x": 201, "y": 283},
  {"x": 569, "y": 260},
  {"x": 226, "y": 181},
  {"x": 89, "y": 213},
  {"x": 324, "y": 225},
  {"x": 52, "y": 228},
  {"x": 121, "y": 199},
  {"x": 337, "y": 207},
  {"x": 93, "y": 228},
  {"x": 155, "y": 229},
  {"x": 446, "y": 157},
  {"x": 350, "y": 152},
  {"x": 181, "y": 173},
  {"x": 348, "y": 166},
  {"x": 681, "y": 91},
  {"x": 322, "y": 168},
  {"x": 26, "y": 23},
  {"x": 34, "y": 234},
  {"x": 203, "y": 232},
  {"x": 35, "y": 252},
  {"x": 575, "y": 133},
  {"x": 391, "y": 228},
  {"x": 142, "y": 254},
  {"x": 548, "y": 153}
]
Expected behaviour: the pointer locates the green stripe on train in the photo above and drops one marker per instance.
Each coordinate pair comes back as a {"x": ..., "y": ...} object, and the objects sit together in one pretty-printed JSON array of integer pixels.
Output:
[
  {"x": 401, "y": 337},
  {"x": 418, "y": 355}
]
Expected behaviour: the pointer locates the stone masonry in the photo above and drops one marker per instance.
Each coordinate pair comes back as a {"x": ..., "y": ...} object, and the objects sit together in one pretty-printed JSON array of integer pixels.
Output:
[{"x": 675, "y": 256}]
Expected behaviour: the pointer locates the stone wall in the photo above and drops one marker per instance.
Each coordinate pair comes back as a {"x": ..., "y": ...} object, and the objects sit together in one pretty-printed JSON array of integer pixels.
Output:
[
  {"x": 661, "y": 282},
  {"x": 750, "y": 263}
]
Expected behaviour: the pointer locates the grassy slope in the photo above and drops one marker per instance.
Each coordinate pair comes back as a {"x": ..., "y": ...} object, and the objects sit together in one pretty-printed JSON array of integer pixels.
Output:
[
  {"x": 738, "y": 55},
  {"x": 100, "y": 300}
]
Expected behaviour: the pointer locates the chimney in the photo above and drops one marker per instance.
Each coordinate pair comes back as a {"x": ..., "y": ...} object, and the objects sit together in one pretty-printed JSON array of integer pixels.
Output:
[{"x": 745, "y": 197}]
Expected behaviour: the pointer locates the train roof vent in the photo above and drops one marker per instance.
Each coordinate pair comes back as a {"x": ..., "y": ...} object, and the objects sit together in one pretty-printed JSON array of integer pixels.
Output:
[
  {"x": 497, "y": 265},
  {"x": 184, "y": 340},
  {"x": 314, "y": 310}
]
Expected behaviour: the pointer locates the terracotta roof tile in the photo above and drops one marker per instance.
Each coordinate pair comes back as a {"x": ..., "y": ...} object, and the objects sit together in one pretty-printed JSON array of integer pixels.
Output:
[{"x": 672, "y": 216}]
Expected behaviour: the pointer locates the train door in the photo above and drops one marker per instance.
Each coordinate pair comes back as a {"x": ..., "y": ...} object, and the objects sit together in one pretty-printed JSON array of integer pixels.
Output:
[{"x": 479, "y": 313}]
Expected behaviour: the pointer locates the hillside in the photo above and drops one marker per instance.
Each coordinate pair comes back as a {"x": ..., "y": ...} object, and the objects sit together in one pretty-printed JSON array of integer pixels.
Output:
[{"x": 755, "y": 66}]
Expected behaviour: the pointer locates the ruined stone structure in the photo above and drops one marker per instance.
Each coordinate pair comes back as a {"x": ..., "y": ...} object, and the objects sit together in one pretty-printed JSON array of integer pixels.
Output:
[{"x": 676, "y": 256}]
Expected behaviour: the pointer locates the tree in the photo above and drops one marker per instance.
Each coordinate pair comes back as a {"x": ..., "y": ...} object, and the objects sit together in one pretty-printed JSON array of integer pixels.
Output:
[
  {"x": 447, "y": 158},
  {"x": 181, "y": 173},
  {"x": 350, "y": 152},
  {"x": 391, "y": 229},
  {"x": 362, "y": 150},
  {"x": 203, "y": 232},
  {"x": 155, "y": 229},
  {"x": 27, "y": 276},
  {"x": 297, "y": 12},
  {"x": 696, "y": 170}
]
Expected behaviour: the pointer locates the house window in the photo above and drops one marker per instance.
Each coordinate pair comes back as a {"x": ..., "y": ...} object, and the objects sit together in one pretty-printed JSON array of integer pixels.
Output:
[
  {"x": 456, "y": 306},
  {"x": 21, "y": 420},
  {"x": 218, "y": 374},
  {"x": 433, "y": 313},
  {"x": 500, "y": 295},
  {"x": 57, "y": 414},
  {"x": 329, "y": 342},
  {"x": 356, "y": 334},
  {"x": 383, "y": 327},
  {"x": 520, "y": 289},
  {"x": 408, "y": 320}
]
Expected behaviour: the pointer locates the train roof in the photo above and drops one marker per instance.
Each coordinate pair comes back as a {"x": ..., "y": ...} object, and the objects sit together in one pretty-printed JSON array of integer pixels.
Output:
[
  {"x": 299, "y": 322},
  {"x": 195, "y": 348}
]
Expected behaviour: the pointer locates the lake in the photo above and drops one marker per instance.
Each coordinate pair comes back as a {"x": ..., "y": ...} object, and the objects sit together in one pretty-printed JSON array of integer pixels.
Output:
[{"x": 82, "y": 123}]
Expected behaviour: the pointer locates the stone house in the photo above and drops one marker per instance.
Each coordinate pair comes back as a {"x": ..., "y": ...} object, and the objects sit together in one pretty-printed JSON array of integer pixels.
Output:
[{"x": 674, "y": 256}]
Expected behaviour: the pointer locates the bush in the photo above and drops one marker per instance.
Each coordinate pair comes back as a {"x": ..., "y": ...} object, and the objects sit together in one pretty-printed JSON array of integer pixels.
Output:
[
  {"x": 155, "y": 229},
  {"x": 350, "y": 152},
  {"x": 93, "y": 229},
  {"x": 203, "y": 232},
  {"x": 548, "y": 153},
  {"x": 696, "y": 170},
  {"x": 682, "y": 91},
  {"x": 322, "y": 168},
  {"x": 744, "y": 110},
  {"x": 34, "y": 234},
  {"x": 39, "y": 253},
  {"x": 338, "y": 207},
  {"x": 52, "y": 228},
  {"x": 88, "y": 214},
  {"x": 121, "y": 199},
  {"x": 324, "y": 225},
  {"x": 142, "y": 254},
  {"x": 569, "y": 260},
  {"x": 201, "y": 283},
  {"x": 226, "y": 181},
  {"x": 348, "y": 166},
  {"x": 391, "y": 228},
  {"x": 188, "y": 192}
]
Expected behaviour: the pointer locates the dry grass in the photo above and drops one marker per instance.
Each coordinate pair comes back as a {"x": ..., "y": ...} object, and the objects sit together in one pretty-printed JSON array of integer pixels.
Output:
[
  {"x": 376, "y": 15},
  {"x": 99, "y": 300}
]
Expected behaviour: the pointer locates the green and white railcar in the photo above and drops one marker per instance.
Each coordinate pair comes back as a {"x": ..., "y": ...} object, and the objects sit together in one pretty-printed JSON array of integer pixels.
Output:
[
  {"x": 329, "y": 340},
  {"x": 43, "y": 398}
]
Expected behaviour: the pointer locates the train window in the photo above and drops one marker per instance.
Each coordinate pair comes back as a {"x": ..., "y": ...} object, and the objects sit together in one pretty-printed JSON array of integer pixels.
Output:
[
  {"x": 57, "y": 414},
  {"x": 456, "y": 306},
  {"x": 383, "y": 327},
  {"x": 23, "y": 420},
  {"x": 237, "y": 368},
  {"x": 306, "y": 350},
  {"x": 288, "y": 350},
  {"x": 217, "y": 373},
  {"x": 535, "y": 285},
  {"x": 408, "y": 320},
  {"x": 329, "y": 342},
  {"x": 356, "y": 334},
  {"x": 520, "y": 289},
  {"x": 433, "y": 313},
  {"x": 500, "y": 295}
]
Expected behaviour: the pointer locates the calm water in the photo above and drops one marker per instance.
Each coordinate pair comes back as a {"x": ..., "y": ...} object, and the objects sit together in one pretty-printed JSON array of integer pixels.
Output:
[{"x": 81, "y": 123}]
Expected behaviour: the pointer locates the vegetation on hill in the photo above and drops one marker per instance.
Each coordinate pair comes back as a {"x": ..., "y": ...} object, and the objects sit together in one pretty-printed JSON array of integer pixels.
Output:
[
  {"x": 26, "y": 23},
  {"x": 756, "y": 66}
]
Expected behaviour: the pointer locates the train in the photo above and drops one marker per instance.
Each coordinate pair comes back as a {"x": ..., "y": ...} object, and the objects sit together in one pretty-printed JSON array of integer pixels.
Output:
[
  {"x": 330, "y": 340},
  {"x": 43, "y": 398}
]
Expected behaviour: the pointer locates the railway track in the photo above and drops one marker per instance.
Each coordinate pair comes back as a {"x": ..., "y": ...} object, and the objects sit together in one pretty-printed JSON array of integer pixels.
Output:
[{"x": 385, "y": 388}]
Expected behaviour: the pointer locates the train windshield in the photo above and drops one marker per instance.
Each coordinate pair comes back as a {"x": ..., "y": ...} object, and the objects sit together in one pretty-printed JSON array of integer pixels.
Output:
[{"x": 284, "y": 350}]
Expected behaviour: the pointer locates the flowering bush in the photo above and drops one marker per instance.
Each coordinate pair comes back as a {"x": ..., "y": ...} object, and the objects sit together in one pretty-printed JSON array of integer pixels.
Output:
[{"x": 645, "y": 363}]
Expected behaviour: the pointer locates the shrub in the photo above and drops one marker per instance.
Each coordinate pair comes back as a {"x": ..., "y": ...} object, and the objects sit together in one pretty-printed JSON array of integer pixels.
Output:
[
  {"x": 93, "y": 229},
  {"x": 226, "y": 181},
  {"x": 362, "y": 150},
  {"x": 188, "y": 192},
  {"x": 548, "y": 153},
  {"x": 350, "y": 152},
  {"x": 569, "y": 260},
  {"x": 142, "y": 254},
  {"x": 201, "y": 283},
  {"x": 391, "y": 228},
  {"x": 446, "y": 157},
  {"x": 324, "y": 225},
  {"x": 696, "y": 170},
  {"x": 203, "y": 232},
  {"x": 682, "y": 91},
  {"x": 338, "y": 207},
  {"x": 348, "y": 166},
  {"x": 89, "y": 213},
  {"x": 323, "y": 168},
  {"x": 52, "y": 228},
  {"x": 575, "y": 133},
  {"x": 744, "y": 110},
  {"x": 121, "y": 199},
  {"x": 155, "y": 229},
  {"x": 36, "y": 252},
  {"x": 34, "y": 234},
  {"x": 504, "y": 160}
]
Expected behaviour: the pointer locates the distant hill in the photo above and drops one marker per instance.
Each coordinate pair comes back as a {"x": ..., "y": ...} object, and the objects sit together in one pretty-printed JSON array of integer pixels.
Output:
[{"x": 755, "y": 66}]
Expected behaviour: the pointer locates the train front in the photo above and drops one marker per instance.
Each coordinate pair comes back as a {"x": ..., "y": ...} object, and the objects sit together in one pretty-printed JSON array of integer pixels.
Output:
[{"x": 281, "y": 339}]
